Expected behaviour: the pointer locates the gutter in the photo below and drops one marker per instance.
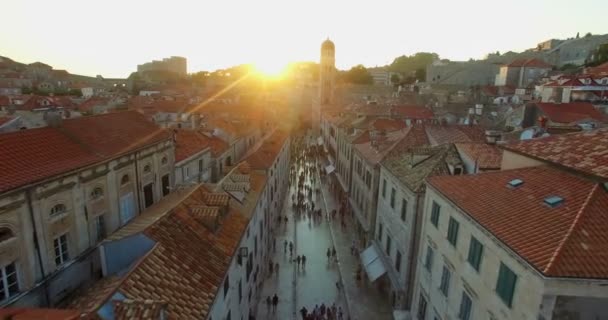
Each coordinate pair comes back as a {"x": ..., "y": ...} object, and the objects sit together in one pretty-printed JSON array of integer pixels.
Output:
[{"x": 30, "y": 207}]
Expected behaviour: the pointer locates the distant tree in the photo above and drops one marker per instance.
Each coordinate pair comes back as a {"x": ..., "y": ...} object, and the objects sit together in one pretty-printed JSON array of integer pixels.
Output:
[
  {"x": 406, "y": 64},
  {"x": 395, "y": 79},
  {"x": 588, "y": 34},
  {"x": 498, "y": 53},
  {"x": 577, "y": 35},
  {"x": 599, "y": 56},
  {"x": 75, "y": 92},
  {"x": 26, "y": 90},
  {"x": 420, "y": 74},
  {"x": 357, "y": 75}
]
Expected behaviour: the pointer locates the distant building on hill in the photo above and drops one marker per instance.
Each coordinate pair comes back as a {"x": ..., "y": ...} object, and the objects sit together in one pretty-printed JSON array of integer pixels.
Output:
[{"x": 175, "y": 64}]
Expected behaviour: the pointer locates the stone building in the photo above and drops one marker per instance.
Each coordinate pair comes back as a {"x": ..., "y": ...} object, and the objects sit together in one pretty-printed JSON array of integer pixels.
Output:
[
  {"x": 527, "y": 242},
  {"x": 64, "y": 188}
]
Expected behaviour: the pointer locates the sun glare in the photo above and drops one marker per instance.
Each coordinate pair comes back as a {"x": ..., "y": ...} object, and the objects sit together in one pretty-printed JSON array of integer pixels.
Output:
[{"x": 271, "y": 69}]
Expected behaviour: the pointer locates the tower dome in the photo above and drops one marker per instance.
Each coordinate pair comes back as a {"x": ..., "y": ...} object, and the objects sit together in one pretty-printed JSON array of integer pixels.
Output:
[{"x": 327, "y": 45}]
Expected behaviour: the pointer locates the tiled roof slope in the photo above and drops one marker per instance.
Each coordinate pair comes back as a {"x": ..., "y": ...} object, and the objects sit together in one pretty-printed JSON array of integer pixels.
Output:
[
  {"x": 268, "y": 151},
  {"x": 440, "y": 134},
  {"x": 189, "y": 143},
  {"x": 585, "y": 151},
  {"x": 374, "y": 149},
  {"x": 113, "y": 134},
  {"x": 33, "y": 155},
  {"x": 39, "y": 314},
  {"x": 412, "y": 165},
  {"x": 569, "y": 240},
  {"x": 487, "y": 156},
  {"x": 571, "y": 112},
  {"x": 412, "y": 112},
  {"x": 186, "y": 267},
  {"x": 136, "y": 309}
]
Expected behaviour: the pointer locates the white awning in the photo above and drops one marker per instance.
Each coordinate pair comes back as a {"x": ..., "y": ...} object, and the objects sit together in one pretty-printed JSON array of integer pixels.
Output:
[
  {"x": 329, "y": 169},
  {"x": 372, "y": 263}
]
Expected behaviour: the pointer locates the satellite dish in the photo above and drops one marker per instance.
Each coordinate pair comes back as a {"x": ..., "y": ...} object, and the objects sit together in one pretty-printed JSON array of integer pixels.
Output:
[{"x": 527, "y": 134}]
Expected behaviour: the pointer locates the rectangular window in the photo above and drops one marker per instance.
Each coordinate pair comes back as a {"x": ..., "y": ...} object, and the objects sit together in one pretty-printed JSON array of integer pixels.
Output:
[
  {"x": 445, "y": 281},
  {"x": 9, "y": 284},
  {"x": 505, "y": 286},
  {"x": 388, "y": 245},
  {"x": 226, "y": 285},
  {"x": 380, "y": 232},
  {"x": 384, "y": 188},
  {"x": 240, "y": 290},
  {"x": 435, "y": 214},
  {"x": 393, "y": 198},
  {"x": 428, "y": 261},
  {"x": 61, "y": 249},
  {"x": 465, "y": 307},
  {"x": 453, "y": 231},
  {"x": 421, "y": 314},
  {"x": 403, "y": 209},
  {"x": 100, "y": 227},
  {"x": 200, "y": 165},
  {"x": 475, "y": 253},
  {"x": 398, "y": 261}
]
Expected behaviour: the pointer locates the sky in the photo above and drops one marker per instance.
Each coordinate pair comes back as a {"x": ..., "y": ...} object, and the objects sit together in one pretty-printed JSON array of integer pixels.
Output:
[{"x": 112, "y": 37}]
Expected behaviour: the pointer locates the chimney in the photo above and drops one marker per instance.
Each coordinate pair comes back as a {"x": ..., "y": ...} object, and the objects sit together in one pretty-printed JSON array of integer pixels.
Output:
[{"x": 492, "y": 136}]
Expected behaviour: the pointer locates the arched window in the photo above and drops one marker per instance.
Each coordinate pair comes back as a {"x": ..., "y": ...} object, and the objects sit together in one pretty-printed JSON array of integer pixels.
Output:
[
  {"x": 124, "y": 180},
  {"x": 163, "y": 161},
  {"x": 58, "y": 209},
  {"x": 5, "y": 234},
  {"x": 147, "y": 168},
  {"x": 97, "y": 193}
]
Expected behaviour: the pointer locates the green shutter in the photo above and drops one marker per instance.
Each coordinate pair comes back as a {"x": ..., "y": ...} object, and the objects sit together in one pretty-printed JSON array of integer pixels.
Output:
[
  {"x": 453, "y": 231},
  {"x": 505, "y": 286},
  {"x": 475, "y": 253}
]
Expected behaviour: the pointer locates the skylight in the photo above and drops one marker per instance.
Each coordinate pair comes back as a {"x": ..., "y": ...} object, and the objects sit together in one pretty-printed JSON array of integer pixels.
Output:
[
  {"x": 515, "y": 183},
  {"x": 553, "y": 201}
]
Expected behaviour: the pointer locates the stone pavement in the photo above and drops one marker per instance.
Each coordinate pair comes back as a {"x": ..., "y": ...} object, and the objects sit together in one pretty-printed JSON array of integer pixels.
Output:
[
  {"x": 301, "y": 287},
  {"x": 363, "y": 299}
]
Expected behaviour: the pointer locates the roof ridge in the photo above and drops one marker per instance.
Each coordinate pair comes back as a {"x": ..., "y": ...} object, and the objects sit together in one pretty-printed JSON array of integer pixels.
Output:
[{"x": 575, "y": 223}]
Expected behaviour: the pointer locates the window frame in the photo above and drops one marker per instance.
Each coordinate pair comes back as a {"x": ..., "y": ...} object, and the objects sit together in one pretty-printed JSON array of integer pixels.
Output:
[
  {"x": 5, "y": 285},
  {"x": 94, "y": 195},
  {"x": 54, "y": 212},
  {"x": 383, "y": 188},
  {"x": 435, "y": 213},
  {"x": 453, "y": 227},
  {"x": 403, "y": 209},
  {"x": 466, "y": 307},
  {"x": 505, "y": 271},
  {"x": 61, "y": 249},
  {"x": 428, "y": 260},
  {"x": 475, "y": 255},
  {"x": 393, "y": 195},
  {"x": 444, "y": 285},
  {"x": 422, "y": 305}
]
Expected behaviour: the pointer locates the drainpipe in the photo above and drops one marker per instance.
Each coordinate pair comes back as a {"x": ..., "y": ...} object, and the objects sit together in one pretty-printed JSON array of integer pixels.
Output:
[
  {"x": 137, "y": 183},
  {"x": 413, "y": 254},
  {"x": 30, "y": 207}
]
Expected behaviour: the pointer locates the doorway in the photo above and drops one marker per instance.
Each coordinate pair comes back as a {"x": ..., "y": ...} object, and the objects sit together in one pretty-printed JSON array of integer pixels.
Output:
[
  {"x": 148, "y": 195},
  {"x": 165, "y": 184}
]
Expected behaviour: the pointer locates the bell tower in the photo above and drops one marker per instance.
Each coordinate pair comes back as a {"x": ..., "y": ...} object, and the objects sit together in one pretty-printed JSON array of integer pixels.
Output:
[{"x": 327, "y": 73}]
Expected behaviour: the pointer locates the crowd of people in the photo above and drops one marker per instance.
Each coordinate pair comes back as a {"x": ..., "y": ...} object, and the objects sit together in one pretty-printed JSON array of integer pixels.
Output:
[{"x": 304, "y": 181}]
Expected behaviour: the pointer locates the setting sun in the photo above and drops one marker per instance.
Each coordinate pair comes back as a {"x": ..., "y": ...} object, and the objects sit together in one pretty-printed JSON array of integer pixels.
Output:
[{"x": 270, "y": 68}]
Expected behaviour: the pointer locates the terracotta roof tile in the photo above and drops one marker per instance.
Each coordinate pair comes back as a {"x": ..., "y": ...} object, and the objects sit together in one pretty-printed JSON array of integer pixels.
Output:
[
  {"x": 412, "y": 112},
  {"x": 38, "y": 314},
  {"x": 116, "y": 133},
  {"x": 377, "y": 147},
  {"x": 189, "y": 143},
  {"x": 440, "y": 134},
  {"x": 138, "y": 309},
  {"x": 33, "y": 155},
  {"x": 36, "y": 154},
  {"x": 388, "y": 124},
  {"x": 486, "y": 156},
  {"x": 265, "y": 155},
  {"x": 568, "y": 240},
  {"x": 585, "y": 151},
  {"x": 571, "y": 112}
]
